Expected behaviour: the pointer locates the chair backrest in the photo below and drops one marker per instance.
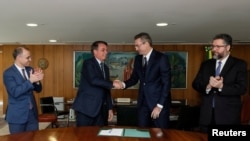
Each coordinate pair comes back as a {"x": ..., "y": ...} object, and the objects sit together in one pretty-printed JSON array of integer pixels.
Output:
[
  {"x": 126, "y": 115},
  {"x": 245, "y": 110},
  {"x": 47, "y": 105}
]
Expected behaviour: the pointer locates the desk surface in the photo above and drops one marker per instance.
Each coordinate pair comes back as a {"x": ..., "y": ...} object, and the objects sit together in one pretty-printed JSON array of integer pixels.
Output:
[{"x": 90, "y": 133}]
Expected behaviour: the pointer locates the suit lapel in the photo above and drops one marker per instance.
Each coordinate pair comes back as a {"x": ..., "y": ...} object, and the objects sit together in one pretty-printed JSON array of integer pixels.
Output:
[
  {"x": 212, "y": 67},
  {"x": 99, "y": 67},
  {"x": 150, "y": 62},
  {"x": 17, "y": 72},
  {"x": 151, "y": 58},
  {"x": 227, "y": 66}
]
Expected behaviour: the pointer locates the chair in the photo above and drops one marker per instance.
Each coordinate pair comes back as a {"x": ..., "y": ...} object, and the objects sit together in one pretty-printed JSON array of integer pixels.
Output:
[
  {"x": 245, "y": 113},
  {"x": 188, "y": 118},
  {"x": 126, "y": 115},
  {"x": 52, "y": 118},
  {"x": 48, "y": 108}
]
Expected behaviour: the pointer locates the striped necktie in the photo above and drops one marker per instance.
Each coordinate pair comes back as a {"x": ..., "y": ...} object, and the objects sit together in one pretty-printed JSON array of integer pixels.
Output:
[{"x": 24, "y": 76}]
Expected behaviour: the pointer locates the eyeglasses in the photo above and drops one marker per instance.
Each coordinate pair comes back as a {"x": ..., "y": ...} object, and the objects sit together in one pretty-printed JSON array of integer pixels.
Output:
[
  {"x": 139, "y": 45},
  {"x": 218, "y": 46}
]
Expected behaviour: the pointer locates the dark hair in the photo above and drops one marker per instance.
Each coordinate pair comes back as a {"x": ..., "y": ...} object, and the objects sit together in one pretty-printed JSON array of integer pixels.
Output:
[
  {"x": 226, "y": 37},
  {"x": 17, "y": 51},
  {"x": 94, "y": 45},
  {"x": 144, "y": 37}
]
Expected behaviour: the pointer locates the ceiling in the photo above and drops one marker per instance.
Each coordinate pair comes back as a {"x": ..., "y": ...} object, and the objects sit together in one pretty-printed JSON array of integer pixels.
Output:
[{"x": 117, "y": 21}]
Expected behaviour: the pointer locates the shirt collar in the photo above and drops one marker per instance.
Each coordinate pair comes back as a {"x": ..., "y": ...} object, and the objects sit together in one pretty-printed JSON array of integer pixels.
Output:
[
  {"x": 99, "y": 62},
  {"x": 223, "y": 61},
  {"x": 19, "y": 68},
  {"x": 148, "y": 55}
]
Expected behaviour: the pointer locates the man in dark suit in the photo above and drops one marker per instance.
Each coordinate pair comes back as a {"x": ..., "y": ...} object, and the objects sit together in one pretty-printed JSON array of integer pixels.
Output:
[
  {"x": 20, "y": 81},
  {"x": 154, "y": 75},
  {"x": 221, "y": 93},
  {"x": 93, "y": 103}
]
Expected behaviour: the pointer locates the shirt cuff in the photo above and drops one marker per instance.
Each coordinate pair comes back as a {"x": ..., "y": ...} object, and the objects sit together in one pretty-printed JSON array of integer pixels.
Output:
[
  {"x": 160, "y": 106},
  {"x": 207, "y": 91},
  {"x": 124, "y": 85}
]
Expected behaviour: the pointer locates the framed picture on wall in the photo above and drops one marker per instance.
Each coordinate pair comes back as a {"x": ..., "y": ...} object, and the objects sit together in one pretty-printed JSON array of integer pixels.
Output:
[
  {"x": 121, "y": 66},
  {"x": 178, "y": 61},
  {"x": 79, "y": 57}
]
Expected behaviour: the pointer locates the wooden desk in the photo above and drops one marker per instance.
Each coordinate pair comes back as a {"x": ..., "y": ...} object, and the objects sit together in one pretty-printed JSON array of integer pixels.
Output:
[{"x": 90, "y": 134}]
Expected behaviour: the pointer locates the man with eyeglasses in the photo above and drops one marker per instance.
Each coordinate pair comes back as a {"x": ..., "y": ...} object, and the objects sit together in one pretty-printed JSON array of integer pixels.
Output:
[
  {"x": 221, "y": 81},
  {"x": 152, "y": 69}
]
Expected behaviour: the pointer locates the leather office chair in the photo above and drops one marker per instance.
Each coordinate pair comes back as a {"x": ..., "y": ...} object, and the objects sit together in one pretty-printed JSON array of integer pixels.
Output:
[
  {"x": 126, "y": 115},
  {"x": 49, "y": 109},
  {"x": 245, "y": 110}
]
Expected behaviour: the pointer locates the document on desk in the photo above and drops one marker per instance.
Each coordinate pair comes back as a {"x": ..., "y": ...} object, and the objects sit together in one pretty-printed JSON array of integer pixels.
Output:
[
  {"x": 139, "y": 133},
  {"x": 111, "y": 132}
]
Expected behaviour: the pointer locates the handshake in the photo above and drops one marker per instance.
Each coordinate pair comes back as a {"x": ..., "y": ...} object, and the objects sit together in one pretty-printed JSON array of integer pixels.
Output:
[{"x": 117, "y": 84}]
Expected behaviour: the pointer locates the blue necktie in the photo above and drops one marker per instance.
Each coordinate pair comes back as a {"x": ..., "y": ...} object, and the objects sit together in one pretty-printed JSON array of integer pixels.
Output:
[{"x": 217, "y": 71}]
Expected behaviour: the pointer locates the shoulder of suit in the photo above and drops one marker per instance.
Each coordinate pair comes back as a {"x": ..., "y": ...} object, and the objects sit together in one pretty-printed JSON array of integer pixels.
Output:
[
  {"x": 11, "y": 68},
  {"x": 158, "y": 54},
  {"x": 92, "y": 59},
  {"x": 209, "y": 62},
  {"x": 237, "y": 60}
]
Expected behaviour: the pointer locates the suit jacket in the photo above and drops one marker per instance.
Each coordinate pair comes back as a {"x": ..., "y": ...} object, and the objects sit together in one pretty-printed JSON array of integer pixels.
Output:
[
  {"x": 20, "y": 94},
  {"x": 155, "y": 85},
  {"x": 228, "y": 101},
  {"x": 94, "y": 90}
]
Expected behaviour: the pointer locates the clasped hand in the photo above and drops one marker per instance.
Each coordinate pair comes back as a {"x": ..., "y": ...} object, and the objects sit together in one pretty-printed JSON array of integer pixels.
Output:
[
  {"x": 36, "y": 75},
  {"x": 216, "y": 82},
  {"x": 117, "y": 84}
]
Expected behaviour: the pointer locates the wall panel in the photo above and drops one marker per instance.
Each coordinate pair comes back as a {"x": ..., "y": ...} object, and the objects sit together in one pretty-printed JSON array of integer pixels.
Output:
[{"x": 58, "y": 80}]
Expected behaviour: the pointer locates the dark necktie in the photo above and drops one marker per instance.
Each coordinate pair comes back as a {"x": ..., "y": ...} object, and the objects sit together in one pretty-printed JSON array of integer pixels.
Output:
[
  {"x": 102, "y": 68},
  {"x": 24, "y": 76},
  {"x": 145, "y": 62},
  {"x": 144, "y": 66}
]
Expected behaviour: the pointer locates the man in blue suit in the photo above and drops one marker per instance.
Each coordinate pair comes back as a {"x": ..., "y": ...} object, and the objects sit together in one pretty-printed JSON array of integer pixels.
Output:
[
  {"x": 221, "y": 93},
  {"x": 20, "y": 81},
  {"x": 93, "y": 102},
  {"x": 152, "y": 69}
]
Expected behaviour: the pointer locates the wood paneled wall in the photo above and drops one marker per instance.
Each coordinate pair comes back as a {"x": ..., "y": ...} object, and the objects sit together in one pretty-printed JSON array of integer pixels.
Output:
[{"x": 58, "y": 80}]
